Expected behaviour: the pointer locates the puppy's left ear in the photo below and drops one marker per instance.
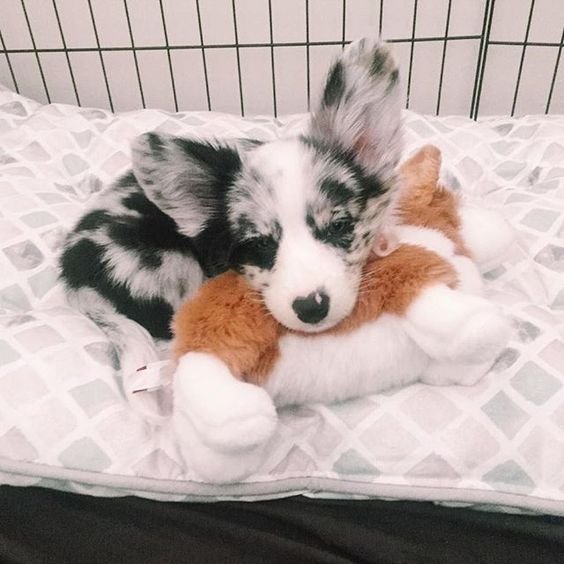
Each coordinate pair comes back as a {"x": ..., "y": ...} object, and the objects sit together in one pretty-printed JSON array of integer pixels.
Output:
[{"x": 360, "y": 109}]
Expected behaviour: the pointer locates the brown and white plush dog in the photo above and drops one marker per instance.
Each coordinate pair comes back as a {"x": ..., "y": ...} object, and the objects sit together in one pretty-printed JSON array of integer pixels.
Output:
[{"x": 419, "y": 316}]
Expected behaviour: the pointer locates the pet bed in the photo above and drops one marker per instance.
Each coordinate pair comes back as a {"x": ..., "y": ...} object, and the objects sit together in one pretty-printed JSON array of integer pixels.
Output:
[{"x": 64, "y": 422}]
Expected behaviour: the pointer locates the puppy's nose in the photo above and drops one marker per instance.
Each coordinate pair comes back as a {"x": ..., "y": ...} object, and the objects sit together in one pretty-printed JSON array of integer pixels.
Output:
[{"x": 312, "y": 308}]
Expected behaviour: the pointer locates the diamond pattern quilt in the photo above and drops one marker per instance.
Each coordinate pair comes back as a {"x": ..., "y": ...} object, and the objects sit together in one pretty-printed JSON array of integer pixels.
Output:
[{"x": 64, "y": 422}]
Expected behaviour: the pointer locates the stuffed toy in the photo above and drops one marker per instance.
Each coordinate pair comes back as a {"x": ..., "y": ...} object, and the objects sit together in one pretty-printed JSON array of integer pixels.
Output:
[{"x": 419, "y": 316}]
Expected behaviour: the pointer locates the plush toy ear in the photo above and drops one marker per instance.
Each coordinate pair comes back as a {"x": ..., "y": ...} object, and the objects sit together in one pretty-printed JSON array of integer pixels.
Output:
[
  {"x": 360, "y": 109},
  {"x": 422, "y": 168},
  {"x": 186, "y": 178},
  {"x": 419, "y": 176}
]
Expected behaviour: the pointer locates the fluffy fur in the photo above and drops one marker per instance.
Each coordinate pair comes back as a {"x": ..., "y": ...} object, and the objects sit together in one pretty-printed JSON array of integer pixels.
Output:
[
  {"x": 419, "y": 316},
  {"x": 224, "y": 315},
  {"x": 296, "y": 217}
]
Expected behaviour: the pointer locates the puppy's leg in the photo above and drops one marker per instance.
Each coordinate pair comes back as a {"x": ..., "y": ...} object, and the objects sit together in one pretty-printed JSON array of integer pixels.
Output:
[
  {"x": 456, "y": 327},
  {"x": 221, "y": 424}
]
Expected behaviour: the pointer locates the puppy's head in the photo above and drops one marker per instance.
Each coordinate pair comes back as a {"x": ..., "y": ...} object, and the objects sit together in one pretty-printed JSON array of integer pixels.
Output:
[
  {"x": 305, "y": 211},
  {"x": 296, "y": 216}
]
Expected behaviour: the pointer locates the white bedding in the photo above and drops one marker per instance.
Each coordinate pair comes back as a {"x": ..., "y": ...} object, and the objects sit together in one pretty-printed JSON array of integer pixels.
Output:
[{"x": 64, "y": 422}]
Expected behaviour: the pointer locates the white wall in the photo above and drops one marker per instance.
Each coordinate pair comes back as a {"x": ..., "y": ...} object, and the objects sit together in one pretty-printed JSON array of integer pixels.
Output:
[{"x": 66, "y": 52}]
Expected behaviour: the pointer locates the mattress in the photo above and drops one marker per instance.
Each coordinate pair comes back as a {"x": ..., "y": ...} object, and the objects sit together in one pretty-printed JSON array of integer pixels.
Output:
[{"x": 64, "y": 420}]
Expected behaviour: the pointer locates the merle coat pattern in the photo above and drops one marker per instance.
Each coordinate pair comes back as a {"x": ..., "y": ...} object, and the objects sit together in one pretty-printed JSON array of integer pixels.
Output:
[{"x": 296, "y": 216}]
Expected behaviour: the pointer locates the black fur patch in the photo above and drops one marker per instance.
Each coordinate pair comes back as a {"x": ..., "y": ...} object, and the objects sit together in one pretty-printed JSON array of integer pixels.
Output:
[
  {"x": 335, "y": 86},
  {"x": 155, "y": 143},
  {"x": 127, "y": 180},
  {"x": 378, "y": 62},
  {"x": 83, "y": 267},
  {"x": 338, "y": 233},
  {"x": 220, "y": 161},
  {"x": 244, "y": 228},
  {"x": 93, "y": 220},
  {"x": 213, "y": 245},
  {"x": 258, "y": 251},
  {"x": 336, "y": 191},
  {"x": 370, "y": 186},
  {"x": 149, "y": 233}
]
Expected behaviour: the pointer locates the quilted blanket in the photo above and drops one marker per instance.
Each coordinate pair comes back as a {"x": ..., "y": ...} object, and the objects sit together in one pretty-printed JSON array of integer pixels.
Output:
[{"x": 64, "y": 422}]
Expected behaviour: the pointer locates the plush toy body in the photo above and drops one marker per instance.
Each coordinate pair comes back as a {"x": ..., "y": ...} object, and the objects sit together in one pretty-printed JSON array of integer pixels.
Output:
[{"x": 419, "y": 317}]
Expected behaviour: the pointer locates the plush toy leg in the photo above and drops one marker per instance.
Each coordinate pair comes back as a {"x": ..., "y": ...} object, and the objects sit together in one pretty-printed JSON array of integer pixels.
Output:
[
  {"x": 221, "y": 424},
  {"x": 452, "y": 373},
  {"x": 456, "y": 327},
  {"x": 470, "y": 280}
]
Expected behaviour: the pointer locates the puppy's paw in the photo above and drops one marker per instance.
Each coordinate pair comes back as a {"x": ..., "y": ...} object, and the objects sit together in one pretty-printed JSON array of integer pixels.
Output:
[{"x": 229, "y": 415}]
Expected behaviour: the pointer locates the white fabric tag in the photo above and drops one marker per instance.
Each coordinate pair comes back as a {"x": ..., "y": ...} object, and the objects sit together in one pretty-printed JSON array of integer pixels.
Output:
[
  {"x": 149, "y": 390},
  {"x": 151, "y": 377}
]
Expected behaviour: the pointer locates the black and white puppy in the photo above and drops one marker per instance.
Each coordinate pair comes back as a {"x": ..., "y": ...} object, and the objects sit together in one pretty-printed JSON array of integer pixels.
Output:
[{"x": 296, "y": 216}]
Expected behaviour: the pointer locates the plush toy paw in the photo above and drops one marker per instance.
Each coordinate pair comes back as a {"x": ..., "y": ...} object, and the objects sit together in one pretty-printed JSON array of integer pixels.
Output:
[
  {"x": 221, "y": 424},
  {"x": 487, "y": 234},
  {"x": 481, "y": 338},
  {"x": 456, "y": 327}
]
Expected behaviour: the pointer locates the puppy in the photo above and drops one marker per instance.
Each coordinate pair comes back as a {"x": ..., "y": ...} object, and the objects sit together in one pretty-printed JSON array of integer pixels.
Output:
[{"x": 296, "y": 216}]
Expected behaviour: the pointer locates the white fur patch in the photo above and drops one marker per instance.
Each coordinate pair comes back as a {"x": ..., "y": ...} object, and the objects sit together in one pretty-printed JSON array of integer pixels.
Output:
[
  {"x": 329, "y": 368},
  {"x": 303, "y": 264},
  {"x": 487, "y": 234},
  {"x": 430, "y": 239}
]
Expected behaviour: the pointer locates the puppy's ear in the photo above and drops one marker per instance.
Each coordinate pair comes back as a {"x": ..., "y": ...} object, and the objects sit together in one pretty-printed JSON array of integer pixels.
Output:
[
  {"x": 360, "y": 107},
  {"x": 186, "y": 178}
]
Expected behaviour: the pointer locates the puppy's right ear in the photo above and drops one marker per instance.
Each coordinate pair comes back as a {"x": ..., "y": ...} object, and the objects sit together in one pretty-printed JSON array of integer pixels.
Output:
[{"x": 186, "y": 178}]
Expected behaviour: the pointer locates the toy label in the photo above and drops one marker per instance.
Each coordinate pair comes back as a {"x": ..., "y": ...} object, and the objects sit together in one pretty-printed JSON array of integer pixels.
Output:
[{"x": 151, "y": 377}]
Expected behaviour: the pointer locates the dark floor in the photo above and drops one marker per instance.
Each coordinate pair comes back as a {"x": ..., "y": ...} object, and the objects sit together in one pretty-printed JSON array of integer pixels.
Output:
[{"x": 38, "y": 525}]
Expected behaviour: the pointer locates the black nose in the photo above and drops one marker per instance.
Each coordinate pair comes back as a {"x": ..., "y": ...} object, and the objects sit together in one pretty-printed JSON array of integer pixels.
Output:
[{"x": 312, "y": 308}]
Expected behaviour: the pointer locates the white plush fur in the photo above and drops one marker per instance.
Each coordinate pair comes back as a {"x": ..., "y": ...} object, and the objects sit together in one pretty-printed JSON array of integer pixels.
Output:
[
  {"x": 487, "y": 233},
  {"x": 222, "y": 424},
  {"x": 446, "y": 337}
]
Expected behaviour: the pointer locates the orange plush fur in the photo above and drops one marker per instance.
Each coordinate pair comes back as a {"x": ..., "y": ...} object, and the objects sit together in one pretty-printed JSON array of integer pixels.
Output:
[{"x": 227, "y": 317}]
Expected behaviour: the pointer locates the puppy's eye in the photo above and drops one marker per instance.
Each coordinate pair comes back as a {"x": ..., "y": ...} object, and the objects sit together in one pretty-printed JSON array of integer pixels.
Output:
[
  {"x": 262, "y": 242},
  {"x": 339, "y": 227},
  {"x": 257, "y": 251}
]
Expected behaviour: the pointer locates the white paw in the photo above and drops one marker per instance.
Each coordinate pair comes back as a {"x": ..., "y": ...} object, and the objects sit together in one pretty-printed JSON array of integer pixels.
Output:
[
  {"x": 481, "y": 338},
  {"x": 221, "y": 424}
]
